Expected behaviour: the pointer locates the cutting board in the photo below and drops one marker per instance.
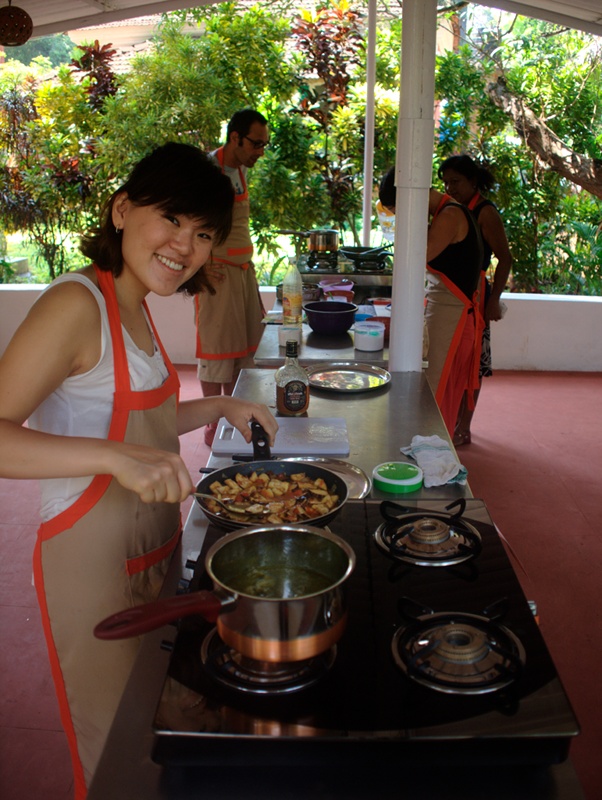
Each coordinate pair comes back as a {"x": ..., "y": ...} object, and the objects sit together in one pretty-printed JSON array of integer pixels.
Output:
[{"x": 297, "y": 436}]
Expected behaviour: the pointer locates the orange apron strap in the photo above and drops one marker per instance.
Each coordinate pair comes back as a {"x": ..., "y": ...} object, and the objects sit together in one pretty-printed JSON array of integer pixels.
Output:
[
  {"x": 234, "y": 251},
  {"x": 57, "y": 675}
]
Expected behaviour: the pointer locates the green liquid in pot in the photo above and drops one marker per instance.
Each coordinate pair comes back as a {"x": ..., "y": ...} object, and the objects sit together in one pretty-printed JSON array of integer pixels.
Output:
[{"x": 278, "y": 583}]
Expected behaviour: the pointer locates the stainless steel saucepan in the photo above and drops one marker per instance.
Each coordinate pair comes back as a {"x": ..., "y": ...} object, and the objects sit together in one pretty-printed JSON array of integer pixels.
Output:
[{"x": 279, "y": 594}]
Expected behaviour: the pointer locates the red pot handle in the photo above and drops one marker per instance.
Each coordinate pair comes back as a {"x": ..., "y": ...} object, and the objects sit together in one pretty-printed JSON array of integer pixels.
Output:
[{"x": 147, "y": 617}]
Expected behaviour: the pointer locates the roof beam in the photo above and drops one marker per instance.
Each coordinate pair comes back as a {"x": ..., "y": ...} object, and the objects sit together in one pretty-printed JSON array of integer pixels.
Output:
[
  {"x": 69, "y": 23},
  {"x": 541, "y": 11}
]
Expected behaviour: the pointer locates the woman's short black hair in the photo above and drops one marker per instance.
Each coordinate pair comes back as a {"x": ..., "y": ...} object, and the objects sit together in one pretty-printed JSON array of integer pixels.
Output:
[
  {"x": 469, "y": 168},
  {"x": 179, "y": 179},
  {"x": 387, "y": 193}
]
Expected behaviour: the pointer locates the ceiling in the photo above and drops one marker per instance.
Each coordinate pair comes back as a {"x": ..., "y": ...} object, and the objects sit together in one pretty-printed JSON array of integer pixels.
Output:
[{"x": 59, "y": 16}]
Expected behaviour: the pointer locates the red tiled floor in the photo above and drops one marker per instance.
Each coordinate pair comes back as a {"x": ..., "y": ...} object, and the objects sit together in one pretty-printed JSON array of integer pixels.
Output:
[{"x": 536, "y": 460}]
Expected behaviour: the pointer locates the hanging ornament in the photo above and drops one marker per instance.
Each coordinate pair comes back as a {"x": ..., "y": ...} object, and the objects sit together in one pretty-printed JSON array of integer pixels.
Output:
[{"x": 15, "y": 26}]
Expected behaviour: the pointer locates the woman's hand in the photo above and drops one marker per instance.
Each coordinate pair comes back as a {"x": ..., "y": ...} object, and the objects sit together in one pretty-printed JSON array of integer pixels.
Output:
[
  {"x": 240, "y": 412},
  {"x": 156, "y": 476},
  {"x": 493, "y": 311}
]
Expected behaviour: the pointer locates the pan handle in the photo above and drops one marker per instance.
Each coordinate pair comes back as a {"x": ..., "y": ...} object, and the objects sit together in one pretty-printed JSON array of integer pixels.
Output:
[{"x": 149, "y": 616}]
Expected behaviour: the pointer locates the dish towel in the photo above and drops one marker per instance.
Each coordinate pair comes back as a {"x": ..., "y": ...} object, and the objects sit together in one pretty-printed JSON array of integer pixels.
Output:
[{"x": 436, "y": 460}]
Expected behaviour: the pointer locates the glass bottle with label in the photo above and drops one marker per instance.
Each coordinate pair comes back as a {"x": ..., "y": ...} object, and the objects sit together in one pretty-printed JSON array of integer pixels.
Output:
[
  {"x": 292, "y": 385},
  {"x": 292, "y": 296}
]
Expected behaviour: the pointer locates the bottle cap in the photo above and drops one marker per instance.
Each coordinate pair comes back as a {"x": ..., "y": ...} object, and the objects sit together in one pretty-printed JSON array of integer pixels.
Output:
[{"x": 291, "y": 348}]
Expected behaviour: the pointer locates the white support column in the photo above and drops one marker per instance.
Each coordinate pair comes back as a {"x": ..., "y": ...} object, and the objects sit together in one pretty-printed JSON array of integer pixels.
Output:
[
  {"x": 369, "y": 124},
  {"x": 413, "y": 179}
]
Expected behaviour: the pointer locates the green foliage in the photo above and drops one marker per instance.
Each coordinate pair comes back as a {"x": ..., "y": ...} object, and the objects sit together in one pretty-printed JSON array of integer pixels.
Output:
[
  {"x": 186, "y": 88},
  {"x": 68, "y": 139},
  {"x": 7, "y": 273},
  {"x": 46, "y": 172},
  {"x": 56, "y": 49},
  {"x": 557, "y": 74}
]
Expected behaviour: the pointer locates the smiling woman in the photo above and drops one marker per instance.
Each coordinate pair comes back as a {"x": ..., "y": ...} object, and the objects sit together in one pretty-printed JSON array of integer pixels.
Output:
[{"x": 87, "y": 370}]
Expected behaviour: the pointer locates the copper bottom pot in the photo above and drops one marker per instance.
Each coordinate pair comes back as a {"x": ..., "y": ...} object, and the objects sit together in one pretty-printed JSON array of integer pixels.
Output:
[{"x": 279, "y": 594}]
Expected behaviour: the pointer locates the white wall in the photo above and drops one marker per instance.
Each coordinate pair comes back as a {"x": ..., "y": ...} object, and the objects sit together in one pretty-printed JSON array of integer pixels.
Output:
[
  {"x": 549, "y": 333},
  {"x": 539, "y": 332}
]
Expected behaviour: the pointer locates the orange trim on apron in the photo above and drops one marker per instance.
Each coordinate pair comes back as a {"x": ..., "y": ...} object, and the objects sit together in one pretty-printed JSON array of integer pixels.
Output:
[
  {"x": 474, "y": 304},
  {"x": 242, "y": 250},
  {"x": 125, "y": 401}
]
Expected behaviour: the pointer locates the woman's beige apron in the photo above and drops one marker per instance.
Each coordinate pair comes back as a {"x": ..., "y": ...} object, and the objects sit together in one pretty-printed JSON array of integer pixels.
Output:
[
  {"x": 229, "y": 323},
  {"x": 452, "y": 320},
  {"x": 106, "y": 552}
]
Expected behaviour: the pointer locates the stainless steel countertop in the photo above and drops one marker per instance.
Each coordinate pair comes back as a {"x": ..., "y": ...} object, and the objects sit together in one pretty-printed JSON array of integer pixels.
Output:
[
  {"x": 378, "y": 423},
  {"x": 316, "y": 348}
]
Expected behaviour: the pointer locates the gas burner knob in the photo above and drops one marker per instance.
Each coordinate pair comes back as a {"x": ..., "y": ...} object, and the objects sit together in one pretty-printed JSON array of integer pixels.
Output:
[{"x": 183, "y": 586}]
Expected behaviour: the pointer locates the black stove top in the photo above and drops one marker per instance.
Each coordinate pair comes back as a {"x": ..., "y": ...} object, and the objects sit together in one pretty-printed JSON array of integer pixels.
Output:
[{"x": 365, "y": 692}]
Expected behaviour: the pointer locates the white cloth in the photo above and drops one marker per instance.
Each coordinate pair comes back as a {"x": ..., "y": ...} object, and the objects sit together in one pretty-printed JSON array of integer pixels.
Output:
[{"x": 436, "y": 460}]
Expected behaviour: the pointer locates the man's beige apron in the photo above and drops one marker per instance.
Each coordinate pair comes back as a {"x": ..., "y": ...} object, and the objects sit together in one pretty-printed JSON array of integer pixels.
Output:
[
  {"x": 229, "y": 323},
  {"x": 106, "y": 552}
]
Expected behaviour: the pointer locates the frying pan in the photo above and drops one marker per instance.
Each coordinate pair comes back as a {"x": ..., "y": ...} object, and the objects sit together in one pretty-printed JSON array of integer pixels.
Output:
[{"x": 335, "y": 484}]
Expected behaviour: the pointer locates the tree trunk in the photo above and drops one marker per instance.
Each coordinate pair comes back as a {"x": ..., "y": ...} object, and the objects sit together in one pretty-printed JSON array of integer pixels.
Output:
[{"x": 551, "y": 151}]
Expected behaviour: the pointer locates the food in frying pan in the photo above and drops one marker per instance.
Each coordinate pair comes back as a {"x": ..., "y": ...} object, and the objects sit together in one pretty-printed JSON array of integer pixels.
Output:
[{"x": 282, "y": 498}]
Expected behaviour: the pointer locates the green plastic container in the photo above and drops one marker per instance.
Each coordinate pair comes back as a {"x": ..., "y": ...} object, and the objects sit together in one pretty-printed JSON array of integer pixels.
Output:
[{"x": 397, "y": 477}]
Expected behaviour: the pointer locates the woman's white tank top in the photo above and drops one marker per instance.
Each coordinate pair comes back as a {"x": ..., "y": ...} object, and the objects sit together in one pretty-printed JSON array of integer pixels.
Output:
[{"x": 83, "y": 404}]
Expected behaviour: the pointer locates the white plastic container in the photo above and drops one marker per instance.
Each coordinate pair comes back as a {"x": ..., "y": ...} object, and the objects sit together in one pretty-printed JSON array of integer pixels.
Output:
[
  {"x": 288, "y": 333},
  {"x": 369, "y": 335}
]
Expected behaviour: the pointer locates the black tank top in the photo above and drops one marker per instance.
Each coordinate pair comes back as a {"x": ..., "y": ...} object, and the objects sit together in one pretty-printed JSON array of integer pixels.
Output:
[{"x": 461, "y": 262}]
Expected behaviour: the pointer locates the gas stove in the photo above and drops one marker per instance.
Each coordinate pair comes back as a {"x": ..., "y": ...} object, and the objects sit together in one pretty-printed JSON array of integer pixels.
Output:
[
  {"x": 441, "y": 661},
  {"x": 332, "y": 262}
]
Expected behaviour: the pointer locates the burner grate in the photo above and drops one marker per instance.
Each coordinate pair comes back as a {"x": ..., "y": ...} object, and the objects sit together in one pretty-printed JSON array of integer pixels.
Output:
[
  {"x": 459, "y": 653},
  {"x": 428, "y": 541}
]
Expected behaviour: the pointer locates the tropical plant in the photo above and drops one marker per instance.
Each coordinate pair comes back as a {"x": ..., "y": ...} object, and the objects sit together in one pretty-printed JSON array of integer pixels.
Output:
[
  {"x": 523, "y": 96},
  {"x": 47, "y": 174},
  {"x": 7, "y": 273},
  {"x": 524, "y": 84}
]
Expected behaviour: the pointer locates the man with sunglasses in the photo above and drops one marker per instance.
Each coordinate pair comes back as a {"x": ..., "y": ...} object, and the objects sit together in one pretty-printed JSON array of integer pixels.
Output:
[{"x": 228, "y": 321}]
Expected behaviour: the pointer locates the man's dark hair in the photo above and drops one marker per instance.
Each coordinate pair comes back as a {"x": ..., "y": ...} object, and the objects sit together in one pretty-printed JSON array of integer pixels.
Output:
[
  {"x": 242, "y": 120},
  {"x": 387, "y": 193},
  {"x": 179, "y": 179}
]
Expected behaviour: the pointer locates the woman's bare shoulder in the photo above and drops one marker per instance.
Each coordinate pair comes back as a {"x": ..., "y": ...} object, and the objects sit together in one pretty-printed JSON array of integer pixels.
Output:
[{"x": 66, "y": 317}]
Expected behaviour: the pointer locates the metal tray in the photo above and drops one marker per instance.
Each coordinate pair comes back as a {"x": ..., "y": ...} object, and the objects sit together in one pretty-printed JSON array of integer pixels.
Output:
[
  {"x": 358, "y": 483},
  {"x": 347, "y": 376}
]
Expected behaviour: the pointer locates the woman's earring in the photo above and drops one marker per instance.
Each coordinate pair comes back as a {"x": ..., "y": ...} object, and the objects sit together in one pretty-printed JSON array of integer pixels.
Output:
[{"x": 117, "y": 229}]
